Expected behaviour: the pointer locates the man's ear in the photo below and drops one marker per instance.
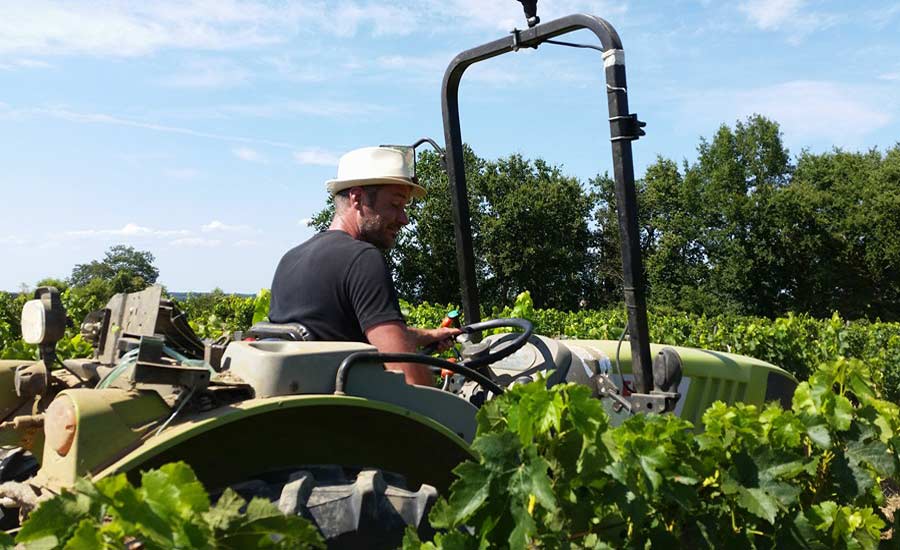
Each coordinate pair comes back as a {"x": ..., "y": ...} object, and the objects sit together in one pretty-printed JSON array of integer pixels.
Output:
[{"x": 356, "y": 197}]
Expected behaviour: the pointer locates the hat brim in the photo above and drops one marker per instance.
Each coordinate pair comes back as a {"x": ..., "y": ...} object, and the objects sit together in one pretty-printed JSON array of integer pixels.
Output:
[{"x": 336, "y": 186}]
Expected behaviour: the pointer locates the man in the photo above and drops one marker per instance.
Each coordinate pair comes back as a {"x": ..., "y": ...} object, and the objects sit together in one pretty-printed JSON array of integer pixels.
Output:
[{"x": 338, "y": 283}]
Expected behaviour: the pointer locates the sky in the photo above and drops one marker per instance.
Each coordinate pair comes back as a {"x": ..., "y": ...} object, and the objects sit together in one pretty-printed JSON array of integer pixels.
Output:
[{"x": 203, "y": 130}]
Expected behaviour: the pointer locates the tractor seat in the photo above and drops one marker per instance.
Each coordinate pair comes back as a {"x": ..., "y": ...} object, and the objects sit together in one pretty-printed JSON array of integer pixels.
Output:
[{"x": 294, "y": 332}]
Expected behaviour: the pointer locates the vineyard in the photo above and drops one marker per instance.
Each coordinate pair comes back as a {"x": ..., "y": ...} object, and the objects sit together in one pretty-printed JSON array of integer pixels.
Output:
[{"x": 551, "y": 471}]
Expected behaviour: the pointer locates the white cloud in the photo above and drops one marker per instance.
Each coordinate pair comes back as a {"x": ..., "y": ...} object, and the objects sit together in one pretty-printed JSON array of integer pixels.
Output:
[
  {"x": 290, "y": 68},
  {"x": 317, "y": 156},
  {"x": 278, "y": 109},
  {"x": 504, "y": 15},
  {"x": 208, "y": 73},
  {"x": 13, "y": 240},
  {"x": 384, "y": 19},
  {"x": 195, "y": 242},
  {"x": 128, "y": 230},
  {"x": 770, "y": 14},
  {"x": 216, "y": 225},
  {"x": 24, "y": 64},
  {"x": 891, "y": 77},
  {"x": 807, "y": 110},
  {"x": 129, "y": 28},
  {"x": 183, "y": 174},
  {"x": 102, "y": 118},
  {"x": 248, "y": 154},
  {"x": 305, "y": 222},
  {"x": 789, "y": 15},
  {"x": 246, "y": 243},
  {"x": 123, "y": 28}
]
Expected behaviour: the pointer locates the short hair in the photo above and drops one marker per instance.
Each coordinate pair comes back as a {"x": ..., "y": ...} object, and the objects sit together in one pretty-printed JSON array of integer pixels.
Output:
[{"x": 342, "y": 198}]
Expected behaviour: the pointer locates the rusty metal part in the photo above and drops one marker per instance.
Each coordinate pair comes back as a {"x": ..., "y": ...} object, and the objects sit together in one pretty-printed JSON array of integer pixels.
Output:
[
  {"x": 28, "y": 428},
  {"x": 22, "y": 495},
  {"x": 32, "y": 380}
]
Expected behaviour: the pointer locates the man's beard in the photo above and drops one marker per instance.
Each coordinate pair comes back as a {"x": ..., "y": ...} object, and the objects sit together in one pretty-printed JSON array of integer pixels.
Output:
[{"x": 375, "y": 231}]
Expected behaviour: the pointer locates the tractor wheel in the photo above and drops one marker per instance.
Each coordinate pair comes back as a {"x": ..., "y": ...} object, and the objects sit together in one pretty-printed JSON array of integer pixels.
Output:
[{"x": 352, "y": 508}]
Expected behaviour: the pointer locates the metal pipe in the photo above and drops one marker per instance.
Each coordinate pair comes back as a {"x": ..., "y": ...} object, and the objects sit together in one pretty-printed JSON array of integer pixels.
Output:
[
  {"x": 622, "y": 167},
  {"x": 340, "y": 381}
]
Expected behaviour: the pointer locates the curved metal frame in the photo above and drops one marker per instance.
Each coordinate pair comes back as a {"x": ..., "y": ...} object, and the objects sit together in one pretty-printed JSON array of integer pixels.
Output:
[
  {"x": 340, "y": 380},
  {"x": 623, "y": 129}
]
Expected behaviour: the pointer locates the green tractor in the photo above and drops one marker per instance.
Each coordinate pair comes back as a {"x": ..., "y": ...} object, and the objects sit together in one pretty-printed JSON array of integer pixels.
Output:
[{"x": 322, "y": 428}]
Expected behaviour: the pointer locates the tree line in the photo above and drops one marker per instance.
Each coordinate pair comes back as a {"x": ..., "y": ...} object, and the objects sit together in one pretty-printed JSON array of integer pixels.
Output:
[{"x": 745, "y": 229}]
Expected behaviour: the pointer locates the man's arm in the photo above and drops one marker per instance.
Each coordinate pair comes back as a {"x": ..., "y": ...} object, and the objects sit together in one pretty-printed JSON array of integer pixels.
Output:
[{"x": 396, "y": 337}]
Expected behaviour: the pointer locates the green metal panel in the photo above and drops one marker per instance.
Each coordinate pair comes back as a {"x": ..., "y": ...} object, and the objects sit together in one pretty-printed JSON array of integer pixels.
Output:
[
  {"x": 9, "y": 401},
  {"x": 258, "y": 436},
  {"x": 109, "y": 422},
  {"x": 713, "y": 375}
]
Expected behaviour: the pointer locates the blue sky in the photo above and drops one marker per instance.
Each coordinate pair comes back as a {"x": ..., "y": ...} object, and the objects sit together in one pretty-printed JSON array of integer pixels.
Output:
[{"x": 203, "y": 130}]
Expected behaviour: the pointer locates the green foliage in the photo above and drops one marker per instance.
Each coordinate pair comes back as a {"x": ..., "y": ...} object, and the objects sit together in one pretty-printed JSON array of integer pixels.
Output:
[
  {"x": 216, "y": 313},
  {"x": 795, "y": 342},
  {"x": 552, "y": 473},
  {"x": 126, "y": 269},
  {"x": 169, "y": 510}
]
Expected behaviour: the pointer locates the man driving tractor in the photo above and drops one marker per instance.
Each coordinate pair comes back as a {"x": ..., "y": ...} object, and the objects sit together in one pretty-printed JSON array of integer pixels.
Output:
[{"x": 338, "y": 284}]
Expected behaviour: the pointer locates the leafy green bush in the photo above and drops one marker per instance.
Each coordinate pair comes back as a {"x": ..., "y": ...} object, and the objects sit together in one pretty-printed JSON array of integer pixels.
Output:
[
  {"x": 169, "y": 510},
  {"x": 552, "y": 473},
  {"x": 796, "y": 342}
]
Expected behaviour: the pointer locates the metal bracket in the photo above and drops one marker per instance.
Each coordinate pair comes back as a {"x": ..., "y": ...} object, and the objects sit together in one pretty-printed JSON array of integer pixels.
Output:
[
  {"x": 515, "y": 37},
  {"x": 626, "y": 127},
  {"x": 654, "y": 402},
  {"x": 605, "y": 387},
  {"x": 150, "y": 369}
]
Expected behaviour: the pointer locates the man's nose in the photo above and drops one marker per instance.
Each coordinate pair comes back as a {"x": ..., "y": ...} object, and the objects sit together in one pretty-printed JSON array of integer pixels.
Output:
[{"x": 404, "y": 219}]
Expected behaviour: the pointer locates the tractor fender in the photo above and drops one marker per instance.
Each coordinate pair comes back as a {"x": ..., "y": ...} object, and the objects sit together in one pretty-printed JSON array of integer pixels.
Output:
[{"x": 228, "y": 445}]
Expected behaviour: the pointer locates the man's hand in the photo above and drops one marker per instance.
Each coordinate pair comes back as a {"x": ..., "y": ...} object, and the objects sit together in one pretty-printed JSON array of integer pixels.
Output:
[
  {"x": 396, "y": 337},
  {"x": 443, "y": 337}
]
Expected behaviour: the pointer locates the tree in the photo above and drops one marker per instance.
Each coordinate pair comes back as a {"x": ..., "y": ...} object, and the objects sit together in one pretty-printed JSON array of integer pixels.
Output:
[
  {"x": 123, "y": 267},
  {"x": 842, "y": 213}
]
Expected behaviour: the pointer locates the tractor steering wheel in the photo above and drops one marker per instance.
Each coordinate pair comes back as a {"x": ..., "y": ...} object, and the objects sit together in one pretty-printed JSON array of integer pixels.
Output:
[
  {"x": 466, "y": 368},
  {"x": 501, "y": 352}
]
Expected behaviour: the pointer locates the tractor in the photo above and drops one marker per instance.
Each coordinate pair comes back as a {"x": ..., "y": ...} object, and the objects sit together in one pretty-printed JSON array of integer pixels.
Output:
[{"x": 322, "y": 428}]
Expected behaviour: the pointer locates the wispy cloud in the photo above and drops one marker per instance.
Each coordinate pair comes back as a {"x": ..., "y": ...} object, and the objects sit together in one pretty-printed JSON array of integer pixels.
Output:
[
  {"x": 806, "y": 109},
  {"x": 248, "y": 154},
  {"x": 183, "y": 174},
  {"x": 771, "y": 14},
  {"x": 891, "y": 77},
  {"x": 246, "y": 243},
  {"x": 305, "y": 222},
  {"x": 208, "y": 73},
  {"x": 316, "y": 156},
  {"x": 790, "y": 15},
  {"x": 217, "y": 226},
  {"x": 195, "y": 242},
  {"x": 130, "y": 28},
  {"x": 127, "y": 28},
  {"x": 319, "y": 108},
  {"x": 128, "y": 230},
  {"x": 23, "y": 64},
  {"x": 103, "y": 118},
  {"x": 13, "y": 240}
]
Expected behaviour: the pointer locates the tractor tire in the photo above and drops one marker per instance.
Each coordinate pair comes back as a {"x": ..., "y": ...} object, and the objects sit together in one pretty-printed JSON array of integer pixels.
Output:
[{"x": 352, "y": 508}]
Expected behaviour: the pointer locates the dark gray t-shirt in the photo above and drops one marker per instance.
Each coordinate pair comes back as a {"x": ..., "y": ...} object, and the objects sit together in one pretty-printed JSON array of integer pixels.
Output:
[{"x": 336, "y": 286}]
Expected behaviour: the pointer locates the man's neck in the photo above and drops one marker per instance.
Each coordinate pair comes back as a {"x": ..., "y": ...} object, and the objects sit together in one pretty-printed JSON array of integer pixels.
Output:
[{"x": 349, "y": 226}]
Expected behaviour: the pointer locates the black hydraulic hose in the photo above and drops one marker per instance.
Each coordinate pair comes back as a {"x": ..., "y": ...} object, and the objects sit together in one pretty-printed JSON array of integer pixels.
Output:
[
  {"x": 509, "y": 349},
  {"x": 372, "y": 356}
]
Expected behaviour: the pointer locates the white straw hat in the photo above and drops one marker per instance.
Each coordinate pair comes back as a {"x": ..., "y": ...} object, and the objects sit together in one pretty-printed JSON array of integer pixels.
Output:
[{"x": 374, "y": 166}]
